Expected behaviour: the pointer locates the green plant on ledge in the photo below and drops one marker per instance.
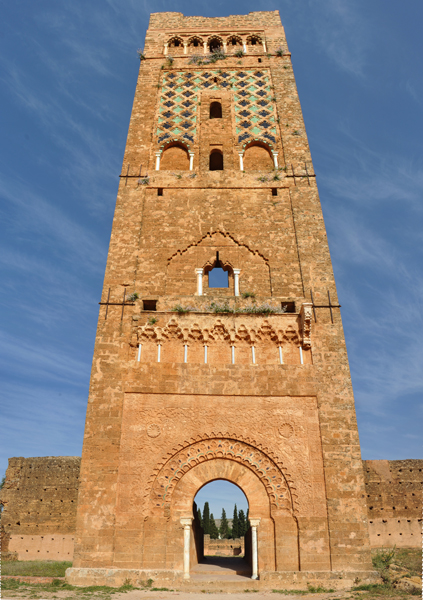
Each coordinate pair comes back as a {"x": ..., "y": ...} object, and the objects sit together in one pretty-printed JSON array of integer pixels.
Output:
[
  {"x": 184, "y": 309},
  {"x": 248, "y": 295},
  {"x": 280, "y": 51},
  {"x": 144, "y": 180},
  {"x": 141, "y": 54},
  {"x": 152, "y": 320},
  {"x": 170, "y": 60},
  {"x": 132, "y": 297},
  {"x": 217, "y": 307},
  {"x": 239, "y": 53}
]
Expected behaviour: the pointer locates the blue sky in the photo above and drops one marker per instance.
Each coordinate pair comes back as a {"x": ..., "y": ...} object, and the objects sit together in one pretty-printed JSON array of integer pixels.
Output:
[{"x": 68, "y": 72}]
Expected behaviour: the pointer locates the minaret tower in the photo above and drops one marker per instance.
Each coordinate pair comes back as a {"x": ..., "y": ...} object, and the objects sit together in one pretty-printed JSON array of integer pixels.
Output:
[{"x": 220, "y": 352}]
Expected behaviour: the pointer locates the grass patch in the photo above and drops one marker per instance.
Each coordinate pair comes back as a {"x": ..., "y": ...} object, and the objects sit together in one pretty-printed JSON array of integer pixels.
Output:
[
  {"x": 287, "y": 592},
  {"x": 36, "y": 568},
  {"x": 410, "y": 559},
  {"x": 58, "y": 585},
  {"x": 383, "y": 589}
]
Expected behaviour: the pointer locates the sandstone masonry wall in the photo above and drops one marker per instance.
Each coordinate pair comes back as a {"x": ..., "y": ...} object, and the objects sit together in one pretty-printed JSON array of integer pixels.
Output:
[
  {"x": 39, "y": 501},
  {"x": 223, "y": 547},
  {"x": 39, "y": 507},
  {"x": 394, "y": 502}
]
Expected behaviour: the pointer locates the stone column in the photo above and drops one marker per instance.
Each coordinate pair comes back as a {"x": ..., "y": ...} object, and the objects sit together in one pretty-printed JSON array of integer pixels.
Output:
[
  {"x": 236, "y": 281},
  {"x": 275, "y": 159},
  {"x": 241, "y": 161},
  {"x": 245, "y": 48},
  {"x": 224, "y": 47},
  {"x": 254, "y": 524},
  {"x": 165, "y": 49},
  {"x": 205, "y": 47},
  {"x": 157, "y": 161},
  {"x": 199, "y": 273},
  {"x": 185, "y": 48},
  {"x": 187, "y": 534},
  {"x": 264, "y": 46},
  {"x": 191, "y": 161}
]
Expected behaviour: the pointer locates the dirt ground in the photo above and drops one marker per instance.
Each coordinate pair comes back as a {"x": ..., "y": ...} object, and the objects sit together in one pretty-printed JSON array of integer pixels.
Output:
[{"x": 32, "y": 592}]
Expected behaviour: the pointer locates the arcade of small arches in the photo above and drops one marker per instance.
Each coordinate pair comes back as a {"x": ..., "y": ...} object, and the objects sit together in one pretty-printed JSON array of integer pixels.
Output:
[
  {"x": 219, "y": 344},
  {"x": 249, "y": 44},
  {"x": 254, "y": 156}
]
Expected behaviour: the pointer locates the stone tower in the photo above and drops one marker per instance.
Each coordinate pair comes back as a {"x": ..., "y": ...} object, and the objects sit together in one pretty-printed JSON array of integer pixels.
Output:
[{"x": 247, "y": 382}]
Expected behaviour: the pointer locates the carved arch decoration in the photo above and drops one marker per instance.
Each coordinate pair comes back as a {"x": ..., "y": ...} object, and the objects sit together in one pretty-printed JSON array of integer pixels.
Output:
[
  {"x": 173, "y": 39},
  {"x": 260, "y": 460},
  {"x": 254, "y": 38},
  {"x": 225, "y": 234},
  {"x": 214, "y": 42},
  {"x": 234, "y": 38},
  {"x": 193, "y": 39},
  {"x": 218, "y": 331},
  {"x": 233, "y": 254}
]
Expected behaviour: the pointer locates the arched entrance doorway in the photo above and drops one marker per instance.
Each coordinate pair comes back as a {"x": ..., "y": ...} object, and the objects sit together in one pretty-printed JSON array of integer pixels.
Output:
[
  {"x": 221, "y": 508},
  {"x": 271, "y": 503}
]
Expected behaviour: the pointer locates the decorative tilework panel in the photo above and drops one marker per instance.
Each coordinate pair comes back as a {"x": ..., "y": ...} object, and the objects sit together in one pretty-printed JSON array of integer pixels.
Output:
[{"x": 255, "y": 112}]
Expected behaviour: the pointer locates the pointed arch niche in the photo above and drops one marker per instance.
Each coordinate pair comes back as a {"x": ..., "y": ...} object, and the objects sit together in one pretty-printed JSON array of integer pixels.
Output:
[{"x": 184, "y": 264}]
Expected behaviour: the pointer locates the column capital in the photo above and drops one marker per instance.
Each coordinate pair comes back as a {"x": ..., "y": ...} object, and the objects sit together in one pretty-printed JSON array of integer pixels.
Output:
[
  {"x": 237, "y": 271},
  {"x": 199, "y": 271},
  {"x": 158, "y": 153},
  {"x": 254, "y": 522},
  {"x": 186, "y": 522}
]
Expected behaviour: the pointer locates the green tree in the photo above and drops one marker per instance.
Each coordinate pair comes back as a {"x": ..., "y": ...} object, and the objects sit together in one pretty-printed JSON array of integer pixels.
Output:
[
  {"x": 224, "y": 527},
  {"x": 199, "y": 516},
  {"x": 206, "y": 518},
  {"x": 235, "y": 524},
  {"x": 214, "y": 532},
  {"x": 242, "y": 523}
]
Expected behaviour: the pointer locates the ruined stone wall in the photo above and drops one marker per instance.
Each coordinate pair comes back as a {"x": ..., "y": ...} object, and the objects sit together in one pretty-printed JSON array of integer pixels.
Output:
[
  {"x": 39, "y": 501},
  {"x": 223, "y": 547},
  {"x": 394, "y": 502}
]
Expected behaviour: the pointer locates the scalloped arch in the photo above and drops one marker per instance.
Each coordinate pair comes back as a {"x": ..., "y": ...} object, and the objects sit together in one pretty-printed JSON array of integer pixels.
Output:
[{"x": 228, "y": 446}]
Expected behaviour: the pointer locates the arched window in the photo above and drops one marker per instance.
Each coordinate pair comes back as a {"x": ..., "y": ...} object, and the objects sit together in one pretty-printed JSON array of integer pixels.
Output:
[
  {"x": 215, "y": 44},
  {"x": 194, "y": 44},
  {"x": 216, "y": 161},
  {"x": 175, "y": 156},
  {"x": 234, "y": 41},
  {"x": 215, "y": 110},
  {"x": 257, "y": 157},
  {"x": 218, "y": 274}
]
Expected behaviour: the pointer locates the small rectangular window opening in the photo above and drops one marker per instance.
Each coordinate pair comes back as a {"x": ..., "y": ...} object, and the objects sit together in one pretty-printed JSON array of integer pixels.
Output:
[
  {"x": 274, "y": 191},
  {"x": 160, "y": 191},
  {"x": 259, "y": 59},
  {"x": 288, "y": 306},
  {"x": 149, "y": 305}
]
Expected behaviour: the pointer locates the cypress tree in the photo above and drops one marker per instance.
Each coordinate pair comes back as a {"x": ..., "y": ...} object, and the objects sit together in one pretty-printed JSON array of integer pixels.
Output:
[
  {"x": 235, "y": 524},
  {"x": 206, "y": 518},
  {"x": 242, "y": 525},
  {"x": 214, "y": 532},
  {"x": 224, "y": 527},
  {"x": 199, "y": 517}
]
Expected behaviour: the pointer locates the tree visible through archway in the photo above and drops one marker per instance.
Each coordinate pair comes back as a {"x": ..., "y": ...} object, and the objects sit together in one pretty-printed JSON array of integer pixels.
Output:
[{"x": 222, "y": 510}]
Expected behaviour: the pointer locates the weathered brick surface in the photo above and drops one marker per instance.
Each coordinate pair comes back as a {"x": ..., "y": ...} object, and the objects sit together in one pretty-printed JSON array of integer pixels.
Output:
[
  {"x": 394, "y": 502},
  {"x": 39, "y": 501},
  {"x": 160, "y": 427}
]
